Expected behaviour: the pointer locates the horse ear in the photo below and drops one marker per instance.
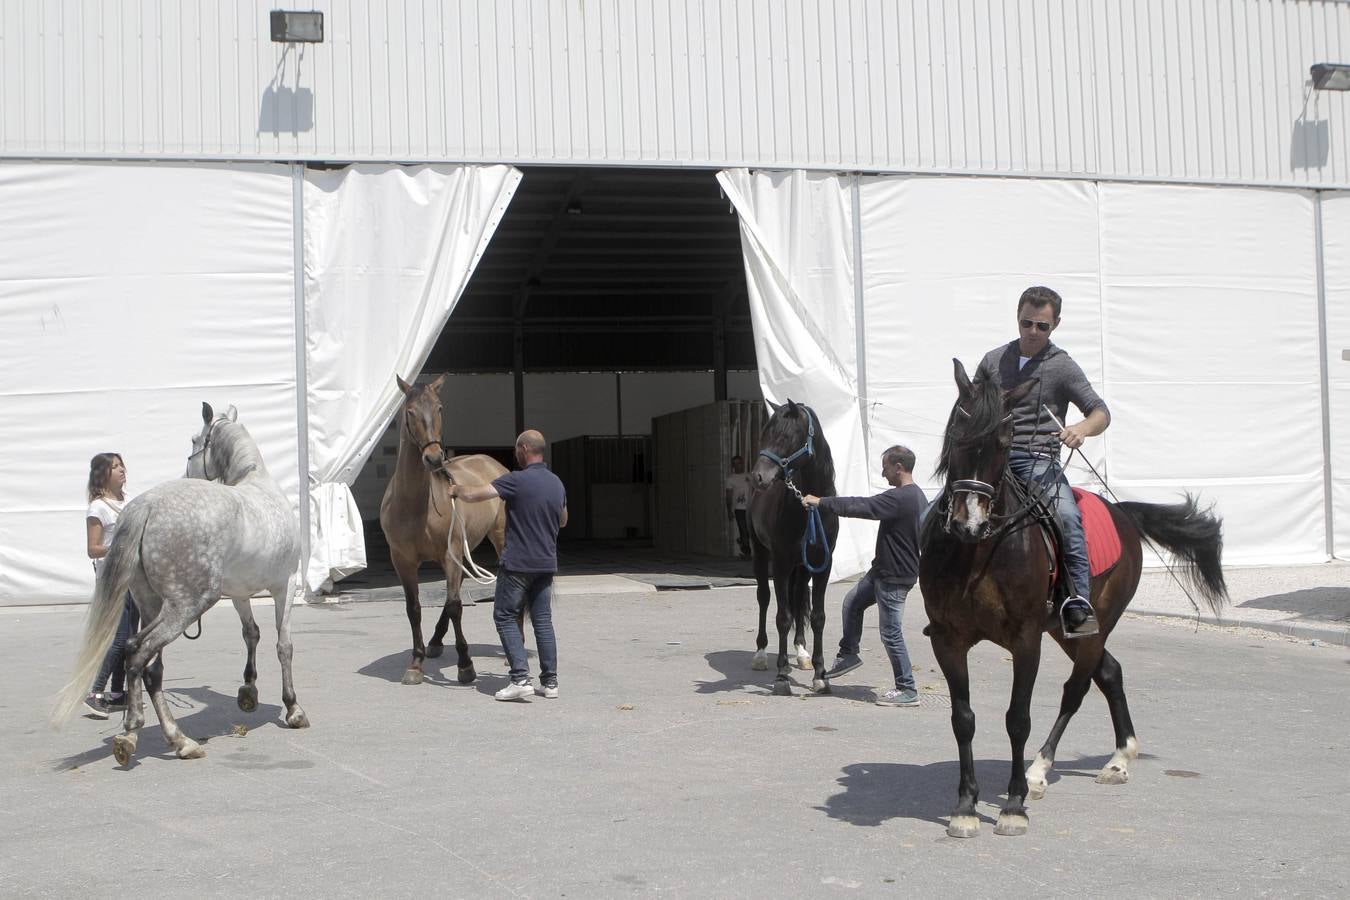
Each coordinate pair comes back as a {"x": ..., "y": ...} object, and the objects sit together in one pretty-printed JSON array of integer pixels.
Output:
[
  {"x": 403, "y": 385},
  {"x": 232, "y": 414},
  {"x": 437, "y": 382},
  {"x": 962, "y": 379},
  {"x": 1015, "y": 396},
  {"x": 207, "y": 413},
  {"x": 773, "y": 407}
]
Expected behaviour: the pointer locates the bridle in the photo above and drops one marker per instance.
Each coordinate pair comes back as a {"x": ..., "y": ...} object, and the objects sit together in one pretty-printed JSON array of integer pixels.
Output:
[
  {"x": 206, "y": 445},
  {"x": 407, "y": 426}
]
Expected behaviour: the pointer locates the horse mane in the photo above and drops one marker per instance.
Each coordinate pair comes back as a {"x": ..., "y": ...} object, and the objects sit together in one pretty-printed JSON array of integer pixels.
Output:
[
  {"x": 985, "y": 416},
  {"x": 786, "y": 432},
  {"x": 237, "y": 452}
]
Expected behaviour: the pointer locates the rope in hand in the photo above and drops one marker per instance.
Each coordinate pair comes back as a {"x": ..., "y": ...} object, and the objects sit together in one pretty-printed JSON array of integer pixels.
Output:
[
  {"x": 475, "y": 572},
  {"x": 815, "y": 532}
]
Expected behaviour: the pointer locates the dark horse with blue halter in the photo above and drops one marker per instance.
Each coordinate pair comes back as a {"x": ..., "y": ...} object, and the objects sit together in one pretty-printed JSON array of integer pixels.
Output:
[
  {"x": 794, "y": 460},
  {"x": 985, "y": 573}
]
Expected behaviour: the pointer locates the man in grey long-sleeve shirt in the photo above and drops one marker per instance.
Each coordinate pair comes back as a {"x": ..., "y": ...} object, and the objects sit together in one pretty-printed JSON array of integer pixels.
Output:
[
  {"x": 893, "y": 573},
  {"x": 1034, "y": 456}
]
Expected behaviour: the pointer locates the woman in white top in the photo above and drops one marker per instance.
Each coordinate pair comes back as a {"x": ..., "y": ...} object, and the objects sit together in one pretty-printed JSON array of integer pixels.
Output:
[{"x": 107, "y": 483}]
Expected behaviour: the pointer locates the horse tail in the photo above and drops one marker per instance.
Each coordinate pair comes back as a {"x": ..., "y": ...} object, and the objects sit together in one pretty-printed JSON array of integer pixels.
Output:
[
  {"x": 105, "y": 609},
  {"x": 1195, "y": 536}
]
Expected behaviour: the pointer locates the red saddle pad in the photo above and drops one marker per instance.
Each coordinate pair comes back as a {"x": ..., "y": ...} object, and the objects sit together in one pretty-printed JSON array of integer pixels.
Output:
[{"x": 1102, "y": 540}]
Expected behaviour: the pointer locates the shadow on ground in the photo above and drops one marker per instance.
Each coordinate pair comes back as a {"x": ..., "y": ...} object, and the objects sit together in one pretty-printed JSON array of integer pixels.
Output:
[
  {"x": 873, "y": 793},
  {"x": 737, "y": 676},
  {"x": 1330, "y": 604},
  {"x": 441, "y": 671}
]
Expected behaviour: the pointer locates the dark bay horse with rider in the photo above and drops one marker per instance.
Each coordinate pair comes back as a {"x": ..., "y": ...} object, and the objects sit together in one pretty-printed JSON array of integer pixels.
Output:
[{"x": 994, "y": 567}]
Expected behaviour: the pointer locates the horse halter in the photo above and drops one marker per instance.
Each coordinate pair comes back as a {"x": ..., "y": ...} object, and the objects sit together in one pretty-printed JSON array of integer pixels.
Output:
[
  {"x": 808, "y": 450},
  {"x": 206, "y": 444},
  {"x": 422, "y": 449}
]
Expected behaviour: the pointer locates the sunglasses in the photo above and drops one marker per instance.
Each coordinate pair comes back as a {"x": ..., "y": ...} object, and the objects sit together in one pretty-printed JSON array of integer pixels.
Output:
[{"x": 1039, "y": 326}]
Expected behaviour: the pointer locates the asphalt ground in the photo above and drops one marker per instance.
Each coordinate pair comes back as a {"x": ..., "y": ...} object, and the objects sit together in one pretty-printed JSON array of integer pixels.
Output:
[{"x": 666, "y": 767}]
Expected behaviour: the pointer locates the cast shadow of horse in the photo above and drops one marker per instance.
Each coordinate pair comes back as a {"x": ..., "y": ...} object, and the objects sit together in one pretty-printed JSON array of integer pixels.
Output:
[
  {"x": 873, "y": 793},
  {"x": 734, "y": 667},
  {"x": 392, "y": 667},
  {"x": 210, "y": 714}
]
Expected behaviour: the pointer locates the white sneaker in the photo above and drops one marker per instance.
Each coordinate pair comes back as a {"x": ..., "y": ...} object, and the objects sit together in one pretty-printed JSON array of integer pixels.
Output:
[
  {"x": 547, "y": 690},
  {"x": 514, "y": 691}
]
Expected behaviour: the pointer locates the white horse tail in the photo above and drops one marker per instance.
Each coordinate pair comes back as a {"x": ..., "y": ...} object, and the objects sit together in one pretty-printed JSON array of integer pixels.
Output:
[{"x": 105, "y": 609}]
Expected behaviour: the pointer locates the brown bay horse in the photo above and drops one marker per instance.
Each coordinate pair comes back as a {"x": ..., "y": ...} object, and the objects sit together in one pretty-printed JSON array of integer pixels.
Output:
[
  {"x": 417, "y": 515},
  {"x": 985, "y": 576}
]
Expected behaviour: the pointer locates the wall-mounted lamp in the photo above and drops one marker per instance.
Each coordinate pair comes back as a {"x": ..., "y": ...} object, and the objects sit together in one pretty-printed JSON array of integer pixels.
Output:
[
  {"x": 1331, "y": 77},
  {"x": 289, "y": 26}
]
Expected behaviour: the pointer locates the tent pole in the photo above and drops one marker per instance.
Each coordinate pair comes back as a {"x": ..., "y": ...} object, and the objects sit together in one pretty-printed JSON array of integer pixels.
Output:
[
  {"x": 859, "y": 323},
  {"x": 1323, "y": 365},
  {"x": 301, "y": 378}
]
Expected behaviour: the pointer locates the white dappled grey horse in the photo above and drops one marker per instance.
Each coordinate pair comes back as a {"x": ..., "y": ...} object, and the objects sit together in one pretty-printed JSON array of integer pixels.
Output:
[{"x": 224, "y": 530}]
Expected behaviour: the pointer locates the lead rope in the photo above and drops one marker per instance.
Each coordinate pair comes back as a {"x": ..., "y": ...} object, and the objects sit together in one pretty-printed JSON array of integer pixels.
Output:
[
  {"x": 815, "y": 531},
  {"x": 478, "y": 574}
]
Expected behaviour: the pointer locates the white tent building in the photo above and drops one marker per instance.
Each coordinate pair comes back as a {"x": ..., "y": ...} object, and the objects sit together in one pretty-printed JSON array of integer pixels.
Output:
[{"x": 192, "y": 211}]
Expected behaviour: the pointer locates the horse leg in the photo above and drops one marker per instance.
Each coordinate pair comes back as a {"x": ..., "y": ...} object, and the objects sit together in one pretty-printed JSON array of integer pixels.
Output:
[
  {"x": 1111, "y": 681},
  {"x": 782, "y": 588},
  {"x": 295, "y": 716},
  {"x": 761, "y": 658},
  {"x": 184, "y": 746},
  {"x": 818, "y": 584},
  {"x": 407, "y": 576},
  {"x": 1075, "y": 688},
  {"x": 801, "y": 584},
  {"x": 1012, "y": 820},
  {"x": 248, "y": 693},
  {"x": 453, "y": 613},
  {"x": 952, "y": 659},
  {"x": 144, "y": 646}
]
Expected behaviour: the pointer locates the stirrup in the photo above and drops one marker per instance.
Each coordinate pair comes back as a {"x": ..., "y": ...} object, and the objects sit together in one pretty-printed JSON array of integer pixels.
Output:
[{"x": 1086, "y": 628}]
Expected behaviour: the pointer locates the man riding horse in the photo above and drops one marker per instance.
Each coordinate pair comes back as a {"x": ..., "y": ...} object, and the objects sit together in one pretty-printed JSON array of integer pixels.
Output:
[{"x": 1034, "y": 456}]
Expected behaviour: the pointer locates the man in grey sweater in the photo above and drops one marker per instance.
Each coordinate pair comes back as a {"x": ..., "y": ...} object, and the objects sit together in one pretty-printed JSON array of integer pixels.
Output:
[
  {"x": 893, "y": 573},
  {"x": 1034, "y": 456}
]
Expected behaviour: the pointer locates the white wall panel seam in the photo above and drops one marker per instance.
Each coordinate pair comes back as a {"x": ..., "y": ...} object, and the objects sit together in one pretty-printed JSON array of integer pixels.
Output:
[{"x": 1324, "y": 376}]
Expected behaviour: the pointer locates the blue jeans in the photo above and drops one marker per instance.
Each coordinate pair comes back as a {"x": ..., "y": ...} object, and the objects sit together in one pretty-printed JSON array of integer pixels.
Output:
[
  {"x": 115, "y": 661},
  {"x": 516, "y": 592},
  {"x": 889, "y": 596},
  {"x": 1044, "y": 473}
]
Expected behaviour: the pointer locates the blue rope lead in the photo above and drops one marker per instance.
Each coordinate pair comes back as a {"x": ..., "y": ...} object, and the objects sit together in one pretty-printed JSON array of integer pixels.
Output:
[{"x": 815, "y": 536}]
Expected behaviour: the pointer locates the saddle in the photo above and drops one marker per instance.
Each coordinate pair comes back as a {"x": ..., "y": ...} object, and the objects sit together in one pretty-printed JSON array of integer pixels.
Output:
[{"x": 1103, "y": 541}]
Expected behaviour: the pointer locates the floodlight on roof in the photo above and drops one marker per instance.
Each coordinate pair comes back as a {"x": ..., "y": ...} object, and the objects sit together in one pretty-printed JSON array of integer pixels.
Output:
[{"x": 1331, "y": 77}]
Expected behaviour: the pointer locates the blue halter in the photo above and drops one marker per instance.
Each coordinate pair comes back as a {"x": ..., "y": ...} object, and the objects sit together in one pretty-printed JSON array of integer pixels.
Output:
[{"x": 808, "y": 449}]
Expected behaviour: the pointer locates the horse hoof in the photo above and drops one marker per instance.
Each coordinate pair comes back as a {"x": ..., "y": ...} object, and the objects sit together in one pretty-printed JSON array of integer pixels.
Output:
[
  {"x": 124, "y": 745},
  {"x": 761, "y": 662},
  {"x": 467, "y": 675},
  {"x": 803, "y": 660},
  {"x": 248, "y": 697},
  {"x": 412, "y": 676},
  {"x": 190, "y": 750},
  {"x": 1011, "y": 824},
  {"x": 296, "y": 718},
  {"x": 435, "y": 650},
  {"x": 963, "y": 827},
  {"x": 1036, "y": 790},
  {"x": 782, "y": 689},
  {"x": 820, "y": 686},
  {"x": 1112, "y": 775}
]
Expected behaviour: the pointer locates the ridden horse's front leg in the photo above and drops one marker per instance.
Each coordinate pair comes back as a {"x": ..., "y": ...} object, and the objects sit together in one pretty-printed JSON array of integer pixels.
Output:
[
  {"x": 761, "y": 658},
  {"x": 295, "y": 716},
  {"x": 1086, "y": 656},
  {"x": 453, "y": 613},
  {"x": 782, "y": 589},
  {"x": 407, "y": 576},
  {"x": 1111, "y": 681},
  {"x": 952, "y": 659},
  {"x": 1026, "y": 661},
  {"x": 819, "y": 582},
  {"x": 248, "y": 692}
]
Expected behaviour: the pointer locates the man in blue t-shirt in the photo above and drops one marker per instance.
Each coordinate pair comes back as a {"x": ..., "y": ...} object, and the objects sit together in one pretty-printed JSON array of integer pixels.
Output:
[{"x": 536, "y": 508}]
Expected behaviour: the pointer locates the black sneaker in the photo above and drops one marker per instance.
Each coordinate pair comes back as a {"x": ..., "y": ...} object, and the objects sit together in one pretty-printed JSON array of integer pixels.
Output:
[
  {"x": 1076, "y": 618},
  {"x": 843, "y": 664},
  {"x": 95, "y": 707},
  {"x": 115, "y": 701}
]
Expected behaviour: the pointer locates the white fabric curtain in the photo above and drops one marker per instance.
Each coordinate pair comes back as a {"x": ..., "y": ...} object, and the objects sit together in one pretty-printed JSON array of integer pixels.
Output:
[
  {"x": 797, "y": 237},
  {"x": 388, "y": 252},
  {"x": 1192, "y": 309},
  {"x": 129, "y": 294}
]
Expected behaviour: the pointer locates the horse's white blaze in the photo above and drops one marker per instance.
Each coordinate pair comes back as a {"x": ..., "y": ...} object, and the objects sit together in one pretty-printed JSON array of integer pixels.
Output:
[{"x": 974, "y": 513}]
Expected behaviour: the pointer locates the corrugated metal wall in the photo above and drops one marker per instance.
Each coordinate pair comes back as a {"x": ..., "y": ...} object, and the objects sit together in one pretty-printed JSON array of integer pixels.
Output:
[{"x": 1193, "y": 90}]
